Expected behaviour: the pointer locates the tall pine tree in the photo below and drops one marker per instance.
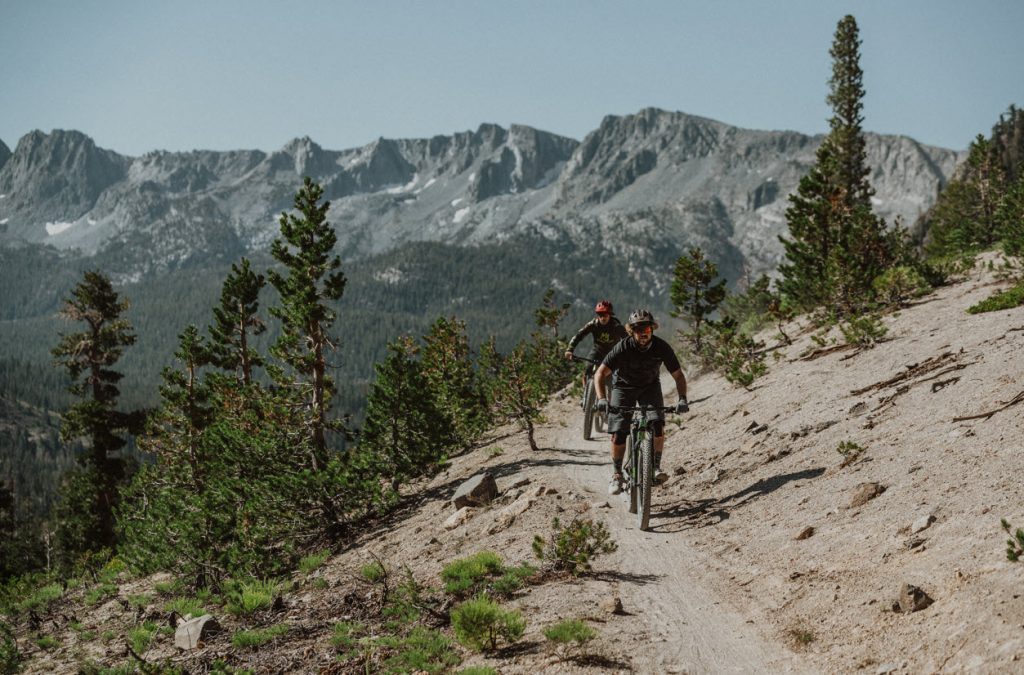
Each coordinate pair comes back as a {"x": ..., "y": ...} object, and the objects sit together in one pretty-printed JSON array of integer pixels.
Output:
[
  {"x": 406, "y": 434},
  {"x": 85, "y": 511},
  {"x": 235, "y": 322},
  {"x": 312, "y": 281},
  {"x": 836, "y": 245},
  {"x": 696, "y": 295}
]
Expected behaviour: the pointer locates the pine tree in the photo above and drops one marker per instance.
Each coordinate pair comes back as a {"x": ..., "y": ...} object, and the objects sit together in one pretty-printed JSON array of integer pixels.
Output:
[
  {"x": 447, "y": 365},
  {"x": 236, "y": 321},
  {"x": 547, "y": 348},
  {"x": 85, "y": 513},
  {"x": 964, "y": 218},
  {"x": 176, "y": 429},
  {"x": 695, "y": 295},
  {"x": 405, "y": 434},
  {"x": 522, "y": 388},
  {"x": 836, "y": 245},
  {"x": 313, "y": 280},
  {"x": 1010, "y": 218}
]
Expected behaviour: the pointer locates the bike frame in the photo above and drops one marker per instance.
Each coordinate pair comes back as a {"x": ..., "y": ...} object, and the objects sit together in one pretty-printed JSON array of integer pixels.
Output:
[{"x": 638, "y": 462}]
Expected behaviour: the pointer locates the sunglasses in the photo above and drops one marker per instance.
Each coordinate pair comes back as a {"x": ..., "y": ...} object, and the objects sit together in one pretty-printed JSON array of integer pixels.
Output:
[
  {"x": 601, "y": 313},
  {"x": 645, "y": 329}
]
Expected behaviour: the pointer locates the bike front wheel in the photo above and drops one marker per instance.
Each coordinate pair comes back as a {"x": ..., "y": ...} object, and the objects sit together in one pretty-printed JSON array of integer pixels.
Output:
[
  {"x": 588, "y": 409},
  {"x": 644, "y": 482},
  {"x": 629, "y": 465}
]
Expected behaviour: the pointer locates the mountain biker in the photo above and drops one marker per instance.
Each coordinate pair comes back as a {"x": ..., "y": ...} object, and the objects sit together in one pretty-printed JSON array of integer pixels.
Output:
[
  {"x": 606, "y": 329},
  {"x": 635, "y": 362}
]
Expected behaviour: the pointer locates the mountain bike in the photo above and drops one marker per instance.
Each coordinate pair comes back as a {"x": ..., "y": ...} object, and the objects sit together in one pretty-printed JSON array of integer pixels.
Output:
[
  {"x": 638, "y": 462},
  {"x": 592, "y": 420}
]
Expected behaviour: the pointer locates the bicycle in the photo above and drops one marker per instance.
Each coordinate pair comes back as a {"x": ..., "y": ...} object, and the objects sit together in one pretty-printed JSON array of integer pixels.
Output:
[
  {"x": 638, "y": 464},
  {"x": 591, "y": 419}
]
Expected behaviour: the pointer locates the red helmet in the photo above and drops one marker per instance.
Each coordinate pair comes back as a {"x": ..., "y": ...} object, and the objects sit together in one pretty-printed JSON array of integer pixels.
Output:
[{"x": 603, "y": 307}]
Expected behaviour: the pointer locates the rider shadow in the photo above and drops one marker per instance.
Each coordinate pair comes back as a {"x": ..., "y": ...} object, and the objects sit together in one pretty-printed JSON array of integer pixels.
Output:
[{"x": 709, "y": 512}]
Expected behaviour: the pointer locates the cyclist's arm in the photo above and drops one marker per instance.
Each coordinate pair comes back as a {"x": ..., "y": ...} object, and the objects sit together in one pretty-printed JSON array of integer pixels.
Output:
[
  {"x": 680, "y": 379},
  {"x": 580, "y": 334},
  {"x": 599, "y": 378}
]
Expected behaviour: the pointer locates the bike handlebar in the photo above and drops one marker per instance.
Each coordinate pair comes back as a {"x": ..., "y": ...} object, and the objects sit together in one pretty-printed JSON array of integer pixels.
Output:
[
  {"x": 642, "y": 408},
  {"x": 584, "y": 358}
]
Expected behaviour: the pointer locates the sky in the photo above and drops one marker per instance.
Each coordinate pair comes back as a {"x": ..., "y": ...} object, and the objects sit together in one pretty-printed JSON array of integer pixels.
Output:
[{"x": 253, "y": 74}]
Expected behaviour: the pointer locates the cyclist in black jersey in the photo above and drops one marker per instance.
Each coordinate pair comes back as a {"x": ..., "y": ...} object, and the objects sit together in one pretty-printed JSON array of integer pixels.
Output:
[
  {"x": 606, "y": 330},
  {"x": 636, "y": 363}
]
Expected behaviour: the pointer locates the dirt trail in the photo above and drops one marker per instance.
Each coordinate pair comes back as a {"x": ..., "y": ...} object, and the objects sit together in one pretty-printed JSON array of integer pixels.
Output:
[{"x": 690, "y": 629}]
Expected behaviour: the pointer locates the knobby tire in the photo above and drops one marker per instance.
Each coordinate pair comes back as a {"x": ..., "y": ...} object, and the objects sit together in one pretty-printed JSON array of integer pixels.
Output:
[
  {"x": 630, "y": 465},
  {"x": 588, "y": 409},
  {"x": 645, "y": 481}
]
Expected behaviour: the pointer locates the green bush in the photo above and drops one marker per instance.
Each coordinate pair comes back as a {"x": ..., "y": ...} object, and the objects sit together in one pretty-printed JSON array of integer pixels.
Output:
[
  {"x": 1008, "y": 299},
  {"x": 422, "y": 650},
  {"x": 481, "y": 623},
  {"x": 570, "y": 630},
  {"x": 850, "y": 452},
  {"x": 251, "y": 595},
  {"x": 185, "y": 607},
  {"x": 47, "y": 642},
  {"x": 10, "y": 657},
  {"x": 573, "y": 547},
  {"x": 139, "y": 601},
  {"x": 463, "y": 576},
  {"x": 478, "y": 670},
  {"x": 41, "y": 598},
  {"x": 255, "y": 638},
  {"x": 864, "y": 331},
  {"x": 732, "y": 352},
  {"x": 140, "y": 636},
  {"x": 312, "y": 562},
  {"x": 1015, "y": 544},
  {"x": 512, "y": 579},
  {"x": 373, "y": 572},
  {"x": 98, "y": 594},
  {"x": 897, "y": 285}
]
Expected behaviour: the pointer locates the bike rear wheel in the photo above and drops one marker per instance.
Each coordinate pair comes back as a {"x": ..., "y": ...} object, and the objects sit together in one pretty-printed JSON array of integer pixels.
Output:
[
  {"x": 644, "y": 482},
  {"x": 588, "y": 409}
]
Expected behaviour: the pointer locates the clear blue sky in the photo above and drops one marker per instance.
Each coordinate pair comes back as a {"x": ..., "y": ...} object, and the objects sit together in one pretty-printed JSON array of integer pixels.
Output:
[{"x": 141, "y": 75}]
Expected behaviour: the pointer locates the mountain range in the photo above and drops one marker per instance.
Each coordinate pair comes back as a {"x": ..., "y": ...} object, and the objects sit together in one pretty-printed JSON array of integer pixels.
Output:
[
  {"x": 641, "y": 187},
  {"x": 475, "y": 225}
]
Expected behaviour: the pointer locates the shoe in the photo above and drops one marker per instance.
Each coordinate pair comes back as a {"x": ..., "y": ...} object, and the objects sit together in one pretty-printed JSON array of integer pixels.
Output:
[
  {"x": 660, "y": 476},
  {"x": 615, "y": 487}
]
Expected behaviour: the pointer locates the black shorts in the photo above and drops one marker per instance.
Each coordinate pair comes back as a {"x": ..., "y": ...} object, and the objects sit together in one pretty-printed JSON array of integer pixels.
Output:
[{"x": 651, "y": 395}]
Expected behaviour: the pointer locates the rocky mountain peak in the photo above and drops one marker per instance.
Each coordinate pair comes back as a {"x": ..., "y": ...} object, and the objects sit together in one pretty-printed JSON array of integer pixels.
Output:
[
  {"x": 5, "y": 154},
  {"x": 55, "y": 177}
]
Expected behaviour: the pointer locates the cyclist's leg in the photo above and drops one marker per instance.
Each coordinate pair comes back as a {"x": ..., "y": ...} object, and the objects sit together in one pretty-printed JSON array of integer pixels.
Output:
[{"x": 618, "y": 427}]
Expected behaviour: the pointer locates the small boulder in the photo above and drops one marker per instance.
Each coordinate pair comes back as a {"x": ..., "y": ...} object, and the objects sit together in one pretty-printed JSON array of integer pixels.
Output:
[
  {"x": 612, "y": 605},
  {"x": 191, "y": 632},
  {"x": 504, "y": 518},
  {"x": 805, "y": 533},
  {"x": 913, "y": 599},
  {"x": 458, "y": 518},
  {"x": 476, "y": 491},
  {"x": 864, "y": 493},
  {"x": 922, "y": 523}
]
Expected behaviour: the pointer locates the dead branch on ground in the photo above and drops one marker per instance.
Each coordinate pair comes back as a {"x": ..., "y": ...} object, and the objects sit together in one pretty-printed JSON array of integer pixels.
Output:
[{"x": 985, "y": 415}]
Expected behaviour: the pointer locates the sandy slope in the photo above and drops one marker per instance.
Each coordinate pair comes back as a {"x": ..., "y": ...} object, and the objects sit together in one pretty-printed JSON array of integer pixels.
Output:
[{"x": 722, "y": 583}]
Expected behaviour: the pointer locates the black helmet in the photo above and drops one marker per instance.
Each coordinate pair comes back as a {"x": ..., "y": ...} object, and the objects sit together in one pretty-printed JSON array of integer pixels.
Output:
[{"x": 640, "y": 317}]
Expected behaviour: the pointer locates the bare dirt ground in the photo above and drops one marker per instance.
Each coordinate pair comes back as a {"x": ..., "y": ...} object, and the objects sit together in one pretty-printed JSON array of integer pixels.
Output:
[{"x": 759, "y": 558}]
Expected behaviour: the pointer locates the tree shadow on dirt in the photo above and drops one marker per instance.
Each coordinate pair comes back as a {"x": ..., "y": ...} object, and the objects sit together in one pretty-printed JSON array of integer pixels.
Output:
[
  {"x": 691, "y": 514},
  {"x": 627, "y": 577}
]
